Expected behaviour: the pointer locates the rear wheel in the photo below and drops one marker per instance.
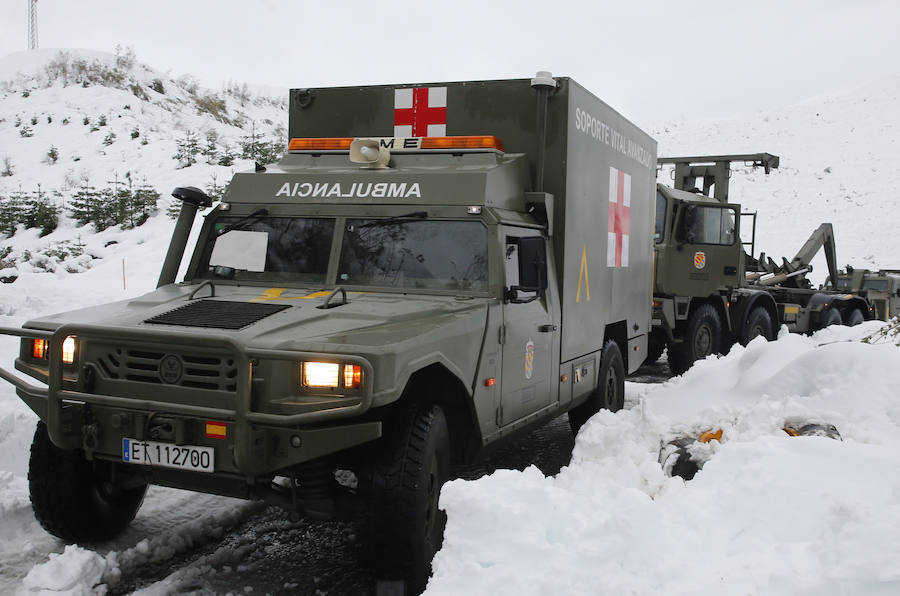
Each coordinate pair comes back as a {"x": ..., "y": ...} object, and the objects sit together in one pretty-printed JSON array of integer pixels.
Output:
[
  {"x": 702, "y": 337},
  {"x": 759, "y": 322},
  {"x": 855, "y": 317},
  {"x": 610, "y": 391},
  {"x": 404, "y": 526},
  {"x": 829, "y": 317},
  {"x": 75, "y": 499}
]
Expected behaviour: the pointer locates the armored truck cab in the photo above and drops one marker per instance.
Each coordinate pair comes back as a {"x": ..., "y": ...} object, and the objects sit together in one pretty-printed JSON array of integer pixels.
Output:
[
  {"x": 709, "y": 293},
  {"x": 429, "y": 269}
]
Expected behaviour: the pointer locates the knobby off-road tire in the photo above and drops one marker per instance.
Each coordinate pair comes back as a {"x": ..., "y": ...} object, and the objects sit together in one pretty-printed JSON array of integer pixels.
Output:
[
  {"x": 403, "y": 526},
  {"x": 610, "y": 391},
  {"x": 758, "y": 322},
  {"x": 855, "y": 317},
  {"x": 702, "y": 337},
  {"x": 71, "y": 496}
]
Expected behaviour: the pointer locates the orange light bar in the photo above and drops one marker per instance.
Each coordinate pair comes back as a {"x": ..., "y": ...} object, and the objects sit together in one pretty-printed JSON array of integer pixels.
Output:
[
  {"x": 470, "y": 142},
  {"x": 352, "y": 376},
  {"x": 39, "y": 348},
  {"x": 323, "y": 144}
]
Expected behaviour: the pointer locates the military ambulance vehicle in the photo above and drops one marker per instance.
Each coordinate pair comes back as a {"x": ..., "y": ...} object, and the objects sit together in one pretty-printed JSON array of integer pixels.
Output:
[
  {"x": 708, "y": 292},
  {"x": 429, "y": 270},
  {"x": 881, "y": 288}
]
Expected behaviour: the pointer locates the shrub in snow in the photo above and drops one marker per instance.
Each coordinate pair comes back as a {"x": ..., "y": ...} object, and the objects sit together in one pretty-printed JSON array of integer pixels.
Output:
[
  {"x": 52, "y": 155},
  {"x": 157, "y": 85},
  {"x": 109, "y": 139},
  {"x": 26, "y": 131},
  {"x": 7, "y": 166}
]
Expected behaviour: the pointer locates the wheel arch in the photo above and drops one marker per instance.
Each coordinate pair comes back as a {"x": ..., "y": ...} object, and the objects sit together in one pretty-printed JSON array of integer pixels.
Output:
[
  {"x": 742, "y": 308},
  {"x": 436, "y": 384},
  {"x": 618, "y": 332}
]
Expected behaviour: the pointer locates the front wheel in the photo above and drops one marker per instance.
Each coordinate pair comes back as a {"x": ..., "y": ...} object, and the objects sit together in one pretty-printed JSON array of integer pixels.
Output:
[
  {"x": 75, "y": 499},
  {"x": 404, "y": 526},
  {"x": 610, "y": 391},
  {"x": 702, "y": 338}
]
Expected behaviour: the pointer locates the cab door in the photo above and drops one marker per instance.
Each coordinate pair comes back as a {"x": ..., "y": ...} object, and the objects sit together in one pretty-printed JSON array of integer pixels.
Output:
[
  {"x": 707, "y": 237},
  {"x": 529, "y": 331}
]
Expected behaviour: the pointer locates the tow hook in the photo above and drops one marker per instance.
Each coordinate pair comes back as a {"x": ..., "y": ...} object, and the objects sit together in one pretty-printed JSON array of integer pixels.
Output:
[{"x": 90, "y": 438}]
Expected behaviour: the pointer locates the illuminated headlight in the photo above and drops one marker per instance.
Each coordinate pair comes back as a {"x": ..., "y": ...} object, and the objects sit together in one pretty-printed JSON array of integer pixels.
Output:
[
  {"x": 68, "y": 350},
  {"x": 324, "y": 375},
  {"x": 328, "y": 375}
]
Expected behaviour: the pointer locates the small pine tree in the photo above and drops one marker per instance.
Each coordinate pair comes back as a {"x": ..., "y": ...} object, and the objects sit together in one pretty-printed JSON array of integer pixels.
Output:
[
  {"x": 101, "y": 121},
  {"x": 210, "y": 150},
  {"x": 188, "y": 147},
  {"x": 226, "y": 158},
  {"x": 39, "y": 213},
  {"x": 34, "y": 120},
  {"x": 17, "y": 122},
  {"x": 144, "y": 204},
  {"x": 52, "y": 155},
  {"x": 109, "y": 139},
  {"x": 174, "y": 209},
  {"x": 86, "y": 121},
  {"x": 26, "y": 131},
  {"x": 135, "y": 133},
  {"x": 7, "y": 167},
  {"x": 84, "y": 207}
]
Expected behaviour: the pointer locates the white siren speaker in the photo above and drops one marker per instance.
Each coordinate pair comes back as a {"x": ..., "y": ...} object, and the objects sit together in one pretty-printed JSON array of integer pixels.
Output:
[{"x": 369, "y": 152}]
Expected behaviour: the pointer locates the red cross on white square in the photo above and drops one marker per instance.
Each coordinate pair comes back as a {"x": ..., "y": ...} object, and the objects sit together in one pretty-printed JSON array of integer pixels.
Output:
[
  {"x": 420, "y": 112},
  {"x": 619, "y": 218}
]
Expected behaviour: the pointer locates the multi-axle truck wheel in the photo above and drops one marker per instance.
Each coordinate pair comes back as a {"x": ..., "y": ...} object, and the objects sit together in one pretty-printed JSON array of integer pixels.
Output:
[
  {"x": 404, "y": 526},
  {"x": 610, "y": 391},
  {"x": 758, "y": 322},
  {"x": 74, "y": 498},
  {"x": 702, "y": 337}
]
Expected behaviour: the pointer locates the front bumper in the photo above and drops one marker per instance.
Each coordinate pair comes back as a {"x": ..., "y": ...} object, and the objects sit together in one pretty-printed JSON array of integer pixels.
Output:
[{"x": 256, "y": 443}]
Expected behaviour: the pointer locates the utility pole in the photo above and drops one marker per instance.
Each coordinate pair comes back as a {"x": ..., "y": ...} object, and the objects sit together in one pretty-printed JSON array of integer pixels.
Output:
[{"x": 32, "y": 25}]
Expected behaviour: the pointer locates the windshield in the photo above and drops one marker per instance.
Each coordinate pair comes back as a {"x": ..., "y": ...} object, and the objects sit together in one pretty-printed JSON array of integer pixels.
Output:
[
  {"x": 270, "y": 248},
  {"x": 433, "y": 254}
]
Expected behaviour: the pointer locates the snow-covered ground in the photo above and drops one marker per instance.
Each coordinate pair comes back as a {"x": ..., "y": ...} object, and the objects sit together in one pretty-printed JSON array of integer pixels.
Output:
[{"x": 768, "y": 513}]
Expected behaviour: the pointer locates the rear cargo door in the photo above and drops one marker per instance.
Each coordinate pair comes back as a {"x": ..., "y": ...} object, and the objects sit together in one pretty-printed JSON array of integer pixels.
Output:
[{"x": 527, "y": 345}]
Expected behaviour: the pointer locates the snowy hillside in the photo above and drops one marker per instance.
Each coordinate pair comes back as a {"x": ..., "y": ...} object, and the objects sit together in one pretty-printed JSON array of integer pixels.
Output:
[
  {"x": 840, "y": 155},
  {"x": 768, "y": 513},
  {"x": 74, "y": 120}
]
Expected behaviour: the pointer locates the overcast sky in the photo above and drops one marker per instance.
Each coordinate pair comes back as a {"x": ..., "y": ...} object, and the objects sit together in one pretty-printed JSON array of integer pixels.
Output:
[{"x": 652, "y": 60}]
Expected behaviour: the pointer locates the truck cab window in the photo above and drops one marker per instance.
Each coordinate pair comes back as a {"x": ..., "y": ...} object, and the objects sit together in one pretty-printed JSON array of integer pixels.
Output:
[
  {"x": 270, "y": 248},
  {"x": 660, "y": 233},
  {"x": 430, "y": 254},
  {"x": 702, "y": 224}
]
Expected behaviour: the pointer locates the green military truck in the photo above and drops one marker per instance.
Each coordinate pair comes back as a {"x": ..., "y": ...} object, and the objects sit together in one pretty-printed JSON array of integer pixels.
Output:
[
  {"x": 881, "y": 288},
  {"x": 708, "y": 292},
  {"x": 429, "y": 270}
]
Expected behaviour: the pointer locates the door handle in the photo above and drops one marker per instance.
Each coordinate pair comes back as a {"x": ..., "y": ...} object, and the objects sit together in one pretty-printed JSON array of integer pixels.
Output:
[{"x": 546, "y": 328}]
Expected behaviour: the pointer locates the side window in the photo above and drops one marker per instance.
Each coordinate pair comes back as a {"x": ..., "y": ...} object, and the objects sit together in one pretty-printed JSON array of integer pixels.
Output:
[
  {"x": 708, "y": 225},
  {"x": 511, "y": 262},
  {"x": 660, "y": 233}
]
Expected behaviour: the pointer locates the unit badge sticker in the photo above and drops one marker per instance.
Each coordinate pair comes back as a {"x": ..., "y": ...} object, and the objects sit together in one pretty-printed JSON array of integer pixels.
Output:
[
  {"x": 529, "y": 359},
  {"x": 699, "y": 259}
]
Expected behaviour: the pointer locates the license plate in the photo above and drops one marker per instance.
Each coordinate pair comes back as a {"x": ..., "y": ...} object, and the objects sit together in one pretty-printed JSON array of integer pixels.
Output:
[{"x": 167, "y": 455}]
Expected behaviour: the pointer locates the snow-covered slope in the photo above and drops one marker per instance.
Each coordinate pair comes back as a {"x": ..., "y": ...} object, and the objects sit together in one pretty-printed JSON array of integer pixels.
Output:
[{"x": 840, "y": 158}]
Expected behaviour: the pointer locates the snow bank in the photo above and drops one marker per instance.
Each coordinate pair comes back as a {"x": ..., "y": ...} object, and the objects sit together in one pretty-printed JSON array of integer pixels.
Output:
[{"x": 768, "y": 513}]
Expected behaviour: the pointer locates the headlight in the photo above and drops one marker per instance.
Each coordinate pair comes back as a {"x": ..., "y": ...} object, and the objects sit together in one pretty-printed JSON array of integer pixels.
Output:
[
  {"x": 68, "y": 350},
  {"x": 329, "y": 375},
  {"x": 321, "y": 374}
]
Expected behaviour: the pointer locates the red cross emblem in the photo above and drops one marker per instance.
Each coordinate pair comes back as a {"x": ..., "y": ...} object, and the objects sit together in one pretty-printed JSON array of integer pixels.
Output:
[
  {"x": 619, "y": 218},
  {"x": 420, "y": 112}
]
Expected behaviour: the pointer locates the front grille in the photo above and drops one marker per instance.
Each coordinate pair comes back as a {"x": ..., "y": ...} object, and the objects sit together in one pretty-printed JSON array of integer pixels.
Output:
[
  {"x": 217, "y": 314},
  {"x": 217, "y": 373}
]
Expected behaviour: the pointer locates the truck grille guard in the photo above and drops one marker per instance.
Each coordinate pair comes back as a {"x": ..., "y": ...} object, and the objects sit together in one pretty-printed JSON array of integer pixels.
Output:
[{"x": 241, "y": 415}]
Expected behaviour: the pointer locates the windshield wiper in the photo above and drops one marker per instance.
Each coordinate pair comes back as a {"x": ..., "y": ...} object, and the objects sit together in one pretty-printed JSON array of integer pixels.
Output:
[
  {"x": 252, "y": 217},
  {"x": 388, "y": 220}
]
